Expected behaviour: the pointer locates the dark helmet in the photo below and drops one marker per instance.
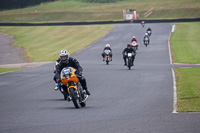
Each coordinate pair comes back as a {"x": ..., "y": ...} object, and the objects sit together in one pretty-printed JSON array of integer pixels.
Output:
[
  {"x": 64, "y": 56},
  {"x": 128, "y": 45}
]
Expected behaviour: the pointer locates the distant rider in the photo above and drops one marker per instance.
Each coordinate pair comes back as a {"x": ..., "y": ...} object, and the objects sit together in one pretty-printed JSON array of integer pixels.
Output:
[
  {"x": 146, "y": 37},
  {"x": 66, "y": 61},
  {"x": 134, "y": 44},
  {"x": 125, "y": 52},
  {"x": 149, "y": 31},
  {"x": 134, "y": 39},
  {"x": 107, "y": 47},
  {"x": 142, "y": 23}
]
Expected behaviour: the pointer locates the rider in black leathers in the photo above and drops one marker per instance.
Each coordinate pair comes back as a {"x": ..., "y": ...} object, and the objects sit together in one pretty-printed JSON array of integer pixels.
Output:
[
  {"x": 127, "y": 50},
  {"x": 66, "y": 61},
  {"x": 149, "y": 29}
]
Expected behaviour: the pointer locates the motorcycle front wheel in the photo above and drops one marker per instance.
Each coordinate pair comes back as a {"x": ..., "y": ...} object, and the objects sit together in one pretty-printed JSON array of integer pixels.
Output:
[
  {"x": 74, "y": 98},
  {"x": 107, "y": 60},
  {"x": 129, "y": 64}
]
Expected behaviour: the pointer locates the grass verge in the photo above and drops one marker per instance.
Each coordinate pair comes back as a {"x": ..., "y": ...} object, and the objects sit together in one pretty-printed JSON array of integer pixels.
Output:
[
  {"x": 188, "y": 92},
  {"x": 185, "y": 43},
  {"x": 44, "y": 43},
  {"x": 185, "y": 49},
  {"x": 3, "y": 70},
  {"x": 77, "y": 10}
]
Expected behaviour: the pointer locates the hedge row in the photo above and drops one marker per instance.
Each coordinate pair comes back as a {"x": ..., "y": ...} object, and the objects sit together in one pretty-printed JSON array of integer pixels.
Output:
[{"x": 14, "y": 4}]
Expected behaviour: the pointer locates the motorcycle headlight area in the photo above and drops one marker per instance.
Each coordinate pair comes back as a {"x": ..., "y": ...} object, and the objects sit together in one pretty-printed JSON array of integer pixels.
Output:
[
  {"x": 66, "y": 72},
  {"x": 129, "y": 54}
]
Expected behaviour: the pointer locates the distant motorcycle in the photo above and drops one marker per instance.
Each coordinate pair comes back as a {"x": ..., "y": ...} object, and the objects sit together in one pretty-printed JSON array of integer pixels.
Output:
[
  {"x": 74, "y": 91},
  {"x": 143, "y": 23},
  {"x": 149, "y": 32},
  {"x": 146, "y": 41},
  {"x": 134, "y": 45},
  {"x": 107, "y": 57}
]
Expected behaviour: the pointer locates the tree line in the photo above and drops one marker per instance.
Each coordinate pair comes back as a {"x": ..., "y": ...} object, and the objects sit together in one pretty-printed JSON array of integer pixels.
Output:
[{"x": 14, "y": 4}]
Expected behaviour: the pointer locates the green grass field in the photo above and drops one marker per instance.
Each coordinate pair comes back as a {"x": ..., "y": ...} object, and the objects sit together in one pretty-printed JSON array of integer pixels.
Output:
[
  {"x": 3, "y": 70},
  {"x": 44, "y": 43},
  {"x": 188, "y": 89},
  {"x": 185, "y": 49},
  {"x": 185, "y": 40},
  {"x": 75, "y": 10}
]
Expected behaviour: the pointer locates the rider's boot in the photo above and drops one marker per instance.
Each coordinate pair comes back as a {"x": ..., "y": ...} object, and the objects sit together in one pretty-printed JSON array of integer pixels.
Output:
[
  {"x": 84, "y": 85},
  {"x": 88, "y": 93},
  {"x": 56, "y": 88}
]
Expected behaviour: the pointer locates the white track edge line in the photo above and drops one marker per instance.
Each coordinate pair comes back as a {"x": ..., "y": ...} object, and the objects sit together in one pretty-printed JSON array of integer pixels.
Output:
[
  {"x": 175, "y": 93},
  {"x": 173, "y": 75}
]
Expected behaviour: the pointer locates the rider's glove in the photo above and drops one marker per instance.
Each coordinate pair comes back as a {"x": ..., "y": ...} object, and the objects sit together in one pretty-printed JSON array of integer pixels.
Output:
[{"x": 78, "y": 73}]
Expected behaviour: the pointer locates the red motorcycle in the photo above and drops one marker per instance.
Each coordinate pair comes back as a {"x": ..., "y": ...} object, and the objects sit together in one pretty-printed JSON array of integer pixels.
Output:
[{"x": 107, "y": 57}]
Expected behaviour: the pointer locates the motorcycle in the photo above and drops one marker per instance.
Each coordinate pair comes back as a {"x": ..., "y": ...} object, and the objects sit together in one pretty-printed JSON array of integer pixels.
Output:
[
  {"x": 107, "y": 56},
  {"x": 74, "y": 90},
  {"x": 149, "y": 32},
  {"x": 134, "y": 45},
  {"x": 146, "y": 41},
  {"x": 142, "y": 23},
  {"x": 130, "y": 60}
]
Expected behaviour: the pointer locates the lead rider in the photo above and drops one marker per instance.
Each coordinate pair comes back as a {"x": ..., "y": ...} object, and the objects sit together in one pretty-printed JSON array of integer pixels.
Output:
[
  {"x": 125, "y": 52},
  {"x": 66, "y": 61}
]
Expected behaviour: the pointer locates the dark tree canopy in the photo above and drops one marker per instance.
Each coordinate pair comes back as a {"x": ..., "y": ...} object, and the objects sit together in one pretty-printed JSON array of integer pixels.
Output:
[{"x": 14, "y": 4}]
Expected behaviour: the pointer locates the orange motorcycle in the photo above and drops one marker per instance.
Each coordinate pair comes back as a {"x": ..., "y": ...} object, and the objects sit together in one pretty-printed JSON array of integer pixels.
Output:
[{"x": 74, "y": 91}]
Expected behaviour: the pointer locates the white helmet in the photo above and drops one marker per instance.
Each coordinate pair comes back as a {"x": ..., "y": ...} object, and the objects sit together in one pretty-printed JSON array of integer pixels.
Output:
[
  {"x": 133, "y": 36},
  {"x": 146, "y": 33},
  {"x": 64, "y": 56},
  {"x": 107, "y": 45}
]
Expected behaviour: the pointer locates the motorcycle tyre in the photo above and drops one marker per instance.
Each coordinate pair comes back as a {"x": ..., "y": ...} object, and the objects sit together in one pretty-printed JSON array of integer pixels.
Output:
[
  {"x": 129, "y": 64},
  {"x": 107, "y": 61},
  {"x": 74, "y": 98}
]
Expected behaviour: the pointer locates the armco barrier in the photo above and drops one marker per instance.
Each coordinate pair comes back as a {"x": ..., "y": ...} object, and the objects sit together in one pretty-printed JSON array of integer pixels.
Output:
[{"x": 101, "y": 22}]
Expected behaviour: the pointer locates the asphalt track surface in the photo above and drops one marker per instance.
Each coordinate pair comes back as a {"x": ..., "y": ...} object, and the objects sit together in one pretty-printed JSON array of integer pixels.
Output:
[
  {"x": 10, "y": 54},
  {"x": 139, "y": 100}
]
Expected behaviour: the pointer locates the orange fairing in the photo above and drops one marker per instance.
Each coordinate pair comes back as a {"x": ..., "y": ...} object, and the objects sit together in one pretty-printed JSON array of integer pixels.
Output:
[
  {"x": 68, "y": 74},
  {"x": 72, "y": 87}
]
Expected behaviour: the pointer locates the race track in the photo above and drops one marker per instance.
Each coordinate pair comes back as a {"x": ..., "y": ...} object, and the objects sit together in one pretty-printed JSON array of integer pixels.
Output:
[{"x": 139, "y": 100}]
